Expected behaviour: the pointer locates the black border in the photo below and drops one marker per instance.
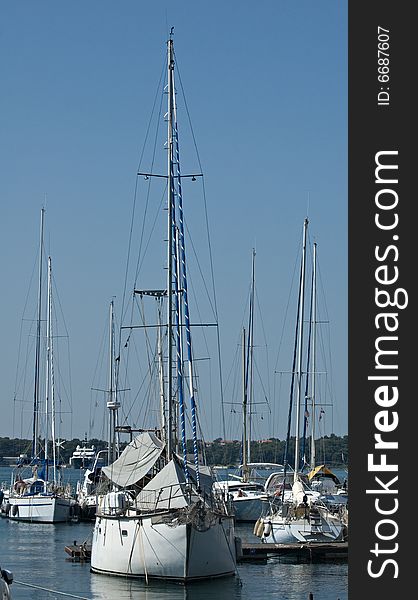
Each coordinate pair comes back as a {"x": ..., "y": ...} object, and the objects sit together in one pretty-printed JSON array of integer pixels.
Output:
[{"x": 374, "y": 128}]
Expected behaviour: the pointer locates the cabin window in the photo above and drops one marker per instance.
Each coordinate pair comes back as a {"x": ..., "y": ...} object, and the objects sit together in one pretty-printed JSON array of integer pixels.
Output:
[{"x": 124, "y": 532}]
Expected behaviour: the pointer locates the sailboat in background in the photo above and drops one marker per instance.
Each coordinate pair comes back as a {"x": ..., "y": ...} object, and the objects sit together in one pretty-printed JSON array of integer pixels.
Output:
[
  {"x": 162, "y": 519},
  {"x": 92, "y": 487},
  {"x": 248, "y": 495},
  {"x": 321, "y": 478},
  {"x": 298, "y": 513},
  {"x": 42, "y": 498}
]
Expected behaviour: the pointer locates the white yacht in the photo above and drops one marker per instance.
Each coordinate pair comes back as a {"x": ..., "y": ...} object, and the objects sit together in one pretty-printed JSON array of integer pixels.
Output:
[{"x": 162, "y": 518}]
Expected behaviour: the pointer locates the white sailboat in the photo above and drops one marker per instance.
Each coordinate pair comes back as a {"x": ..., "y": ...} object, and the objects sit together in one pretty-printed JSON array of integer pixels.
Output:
[
  {"x": 248, "y": 495},
  {"x": 162, "y": 520},
  {"x": 41, "y": 498},
  {"x": 92, "y": 487},
  {"x": 298, "y": 514}
]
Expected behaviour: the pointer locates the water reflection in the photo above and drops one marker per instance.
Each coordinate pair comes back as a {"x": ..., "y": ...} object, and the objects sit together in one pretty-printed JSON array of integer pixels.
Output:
[
  {"x": 35, "y": 554},
  {"x": 119, "y": 588}
]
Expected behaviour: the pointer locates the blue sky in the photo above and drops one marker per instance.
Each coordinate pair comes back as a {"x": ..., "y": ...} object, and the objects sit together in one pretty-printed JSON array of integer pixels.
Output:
[{"x": 266, "y": 87}]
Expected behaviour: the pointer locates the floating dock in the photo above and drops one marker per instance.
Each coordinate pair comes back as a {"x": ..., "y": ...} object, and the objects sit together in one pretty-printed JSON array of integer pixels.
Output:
[
  {"x": 298, "y": 552},
  {"x": 311, "y": 552},
  {"x": 79, "y": 552}
]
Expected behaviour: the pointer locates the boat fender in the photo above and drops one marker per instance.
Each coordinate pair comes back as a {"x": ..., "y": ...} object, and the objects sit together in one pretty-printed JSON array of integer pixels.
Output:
[
  {"x": 267, "y": 529},
  {"x": 260, "y": 528},
  {"x": 15, "y": 510},
  {"x": 256, "y": 525}
]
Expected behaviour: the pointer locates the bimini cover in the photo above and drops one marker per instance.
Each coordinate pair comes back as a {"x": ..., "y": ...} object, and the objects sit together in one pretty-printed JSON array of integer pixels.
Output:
[
  {"x": 322, "y": 469},
  {"x": 136, "y": 460},
  {"x": 168, "y": 488}
]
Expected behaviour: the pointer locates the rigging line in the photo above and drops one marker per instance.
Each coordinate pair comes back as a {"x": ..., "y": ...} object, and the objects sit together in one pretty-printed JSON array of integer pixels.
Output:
[
  {"x": 260, "y": 315},
  {"x": 200, "y": 270},
  {"x": 234, "y": 362},
  {"x": 150, "y": 363},
  {"x": 262, "y": 385},
  {"x": 287, "y": 308},
  {"x": 152, "y": 367},
  {"x": 154, "y": 151},
  {"x": 134, "y": 205},
  {"x": 157, "y": 213},
  {"x": 204, "y": 197},
  {"x": 148, "y": 345},
  {"x": 326, "y": 356},
  {"x": 289, "y": 418},
  {"x": 332, "y": 392},
  {"x": 308, "y": 364},
  {"x": 209, "y": 248},
  {"x": 21, "y": 332},
  {"x": 127, "y": 414},
  {"x": 200, "y": 318},
  {"x": 68, "y": 393},
  {"x": 179, "y": 281},
  {"x": 100, "y": 359},
  {"x": 214, "y": 310},
  {"x": 57, "y": 300},
  {"x": 149, "y": 380}
]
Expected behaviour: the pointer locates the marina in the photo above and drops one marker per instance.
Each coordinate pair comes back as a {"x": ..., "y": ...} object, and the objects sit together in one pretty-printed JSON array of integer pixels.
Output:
[
  {"x": 249, "y": 551},
  {"x": 291, "y": 572},
  {"x": 200, "y": 467}
]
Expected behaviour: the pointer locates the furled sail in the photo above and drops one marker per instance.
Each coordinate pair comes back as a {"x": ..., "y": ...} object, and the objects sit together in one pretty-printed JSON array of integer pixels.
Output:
[{"x": 136, "y": 460}]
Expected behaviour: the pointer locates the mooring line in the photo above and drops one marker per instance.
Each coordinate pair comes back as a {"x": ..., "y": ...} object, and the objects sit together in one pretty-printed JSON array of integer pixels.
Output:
[{"x": 38, "y": 587}]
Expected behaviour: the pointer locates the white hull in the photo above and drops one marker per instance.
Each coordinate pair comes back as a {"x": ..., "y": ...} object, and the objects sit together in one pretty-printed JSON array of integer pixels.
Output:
[
  {"x": 248, "y": 498},
  {"x": 40, "y": 509},
  {"x": 282, "y": 530},
  {"x": 159, "y": 546}
]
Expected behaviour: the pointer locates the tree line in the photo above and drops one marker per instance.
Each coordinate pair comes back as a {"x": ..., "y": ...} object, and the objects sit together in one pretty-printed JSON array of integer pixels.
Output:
[{"x": 331, "y": 450}]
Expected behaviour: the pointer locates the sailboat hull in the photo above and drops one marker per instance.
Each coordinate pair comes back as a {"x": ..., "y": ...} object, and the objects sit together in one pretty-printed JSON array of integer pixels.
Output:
[
  {"x": 40, "y": 509},
  {"x": 280, "y": 530},
  {"x": 158, "y": 546}
]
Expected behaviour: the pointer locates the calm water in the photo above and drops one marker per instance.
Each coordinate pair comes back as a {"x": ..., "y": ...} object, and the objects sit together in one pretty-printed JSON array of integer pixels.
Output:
[{"x": 35, "y": 554}]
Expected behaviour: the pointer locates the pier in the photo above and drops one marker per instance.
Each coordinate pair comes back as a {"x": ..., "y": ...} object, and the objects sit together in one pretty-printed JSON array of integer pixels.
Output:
[
  {"x": 298, "y": 552},
  {"x": 79, "y": 552}
]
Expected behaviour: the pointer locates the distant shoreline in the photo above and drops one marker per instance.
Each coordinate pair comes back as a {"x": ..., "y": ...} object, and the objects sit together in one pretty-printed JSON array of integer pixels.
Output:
[{"x": 331, "y": 450}]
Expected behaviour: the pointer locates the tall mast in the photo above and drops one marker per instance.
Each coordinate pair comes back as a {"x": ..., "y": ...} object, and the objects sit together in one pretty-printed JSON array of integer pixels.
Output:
[
  {"x": 112, "y": 403},
  {"x": 313, "y": 388},
  {"x": 250, "y": 356},
  {"x": 244, "y": 411},
  {"x": 170, "y": 206},
  {"x": 35, "y": 425},
  {"x": 247, "y": 373},
  {"x": 161, "y": 374},
  {"x": 48, "y": 412},
  {"x": 300, "y": 343},
  {"x": 52, "y": 377},
  {"x": 50, "y": 382},
  {"x": 181, "y": 285}
]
